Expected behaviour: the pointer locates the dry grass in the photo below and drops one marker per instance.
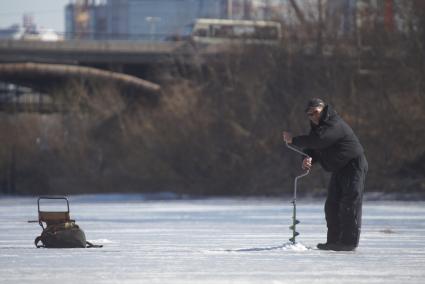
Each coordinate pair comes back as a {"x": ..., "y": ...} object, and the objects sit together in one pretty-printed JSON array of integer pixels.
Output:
[{"x": 217, "y": 129}]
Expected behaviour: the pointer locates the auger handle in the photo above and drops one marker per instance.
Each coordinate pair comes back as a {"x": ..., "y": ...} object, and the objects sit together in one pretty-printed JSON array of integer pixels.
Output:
[
  {"x": 296, "y": 149},
  {"x": 302, "y": 175}
]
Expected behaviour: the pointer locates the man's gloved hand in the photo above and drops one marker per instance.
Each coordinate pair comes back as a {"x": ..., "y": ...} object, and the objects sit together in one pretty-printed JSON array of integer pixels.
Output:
[
  {"x": 287, "y": 137},
  {"x": 307, "y": 163}
]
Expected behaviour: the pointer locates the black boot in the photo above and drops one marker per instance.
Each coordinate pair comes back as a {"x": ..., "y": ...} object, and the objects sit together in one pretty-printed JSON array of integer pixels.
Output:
[
  {"x": 323, "y": 246},
  {"x": 336, "y": 247}
]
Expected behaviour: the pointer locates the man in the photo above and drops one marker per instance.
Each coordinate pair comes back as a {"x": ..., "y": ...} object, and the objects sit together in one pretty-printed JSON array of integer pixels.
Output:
[{"x": 333, "y": 144}]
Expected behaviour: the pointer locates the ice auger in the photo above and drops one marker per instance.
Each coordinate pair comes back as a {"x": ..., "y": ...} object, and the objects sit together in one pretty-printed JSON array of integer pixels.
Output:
[{"x": 294, "y": 200}]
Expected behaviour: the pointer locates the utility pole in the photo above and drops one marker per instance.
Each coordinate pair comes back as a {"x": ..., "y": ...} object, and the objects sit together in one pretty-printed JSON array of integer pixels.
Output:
[{"x": 152, "y": 21}]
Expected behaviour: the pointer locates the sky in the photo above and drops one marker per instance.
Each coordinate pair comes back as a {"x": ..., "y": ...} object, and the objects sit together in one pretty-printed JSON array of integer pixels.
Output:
[{"x": 46, "y": 13}]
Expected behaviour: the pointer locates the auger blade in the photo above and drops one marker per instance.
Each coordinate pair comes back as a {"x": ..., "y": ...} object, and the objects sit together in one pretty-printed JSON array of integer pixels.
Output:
[
  {"x": 292, "y": 227},
  {"x": 293, "y": 238},
  {"x": 297, "y": 221}
]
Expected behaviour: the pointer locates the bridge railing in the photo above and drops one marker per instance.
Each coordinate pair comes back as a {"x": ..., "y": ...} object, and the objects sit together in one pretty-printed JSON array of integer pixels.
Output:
[{"x": 92, "y": 45}]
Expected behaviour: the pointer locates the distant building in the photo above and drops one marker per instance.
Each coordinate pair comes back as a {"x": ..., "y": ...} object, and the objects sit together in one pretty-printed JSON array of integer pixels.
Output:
[
  {"x": 134, "y": 19},
  {"x": 375, "y": 13},
  {"x": 29, "y": 31},
  {"x": 12, "y": 32},
  {"x": 148, "y": 20},
  {"x": 340, "y": 16},
  {"x": 86, "y": 19},
  {"x": 345, "y": 17},
  {"x": 155, "y": 19},
  {"x": 158, "y": 19},
  {"x": 28, "y": 23}
]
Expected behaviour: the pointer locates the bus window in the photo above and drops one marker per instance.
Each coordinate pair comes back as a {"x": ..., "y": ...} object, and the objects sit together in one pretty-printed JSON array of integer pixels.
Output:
[
  {"x": 221, "y": 31},
  {"x": 243, "y": 31},
  {"x": 266, "y": 32},
  {"x": 200, "y": 32}
]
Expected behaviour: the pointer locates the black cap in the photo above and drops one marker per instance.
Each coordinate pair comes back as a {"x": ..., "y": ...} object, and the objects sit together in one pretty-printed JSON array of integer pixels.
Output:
[{"x": 315, "y": 102}]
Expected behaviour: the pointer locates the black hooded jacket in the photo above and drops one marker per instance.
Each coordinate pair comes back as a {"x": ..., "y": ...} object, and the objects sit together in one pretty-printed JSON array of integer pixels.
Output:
[{"x": 332, "y": 142}]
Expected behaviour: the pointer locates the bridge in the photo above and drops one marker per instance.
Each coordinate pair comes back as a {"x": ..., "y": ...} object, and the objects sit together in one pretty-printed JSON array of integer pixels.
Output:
[
  {"x": 43, "y": 65},
  {"x": 90, "y": 52}
]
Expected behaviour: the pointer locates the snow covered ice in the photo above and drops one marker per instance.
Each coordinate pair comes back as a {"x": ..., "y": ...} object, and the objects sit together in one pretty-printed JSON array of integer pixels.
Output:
[{"x": 211, "y": 241}]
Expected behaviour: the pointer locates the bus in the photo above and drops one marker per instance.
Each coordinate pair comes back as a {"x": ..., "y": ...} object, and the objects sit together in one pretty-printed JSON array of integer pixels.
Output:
[{"x": 223, "y": 31}]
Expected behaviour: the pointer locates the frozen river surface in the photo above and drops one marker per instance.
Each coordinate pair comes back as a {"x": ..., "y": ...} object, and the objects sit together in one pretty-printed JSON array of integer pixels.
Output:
[{"x": 211, "y": 241}]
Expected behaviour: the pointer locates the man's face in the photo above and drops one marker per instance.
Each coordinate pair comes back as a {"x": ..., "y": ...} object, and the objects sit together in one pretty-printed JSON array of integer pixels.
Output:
[{"x": 314, "y": 113}]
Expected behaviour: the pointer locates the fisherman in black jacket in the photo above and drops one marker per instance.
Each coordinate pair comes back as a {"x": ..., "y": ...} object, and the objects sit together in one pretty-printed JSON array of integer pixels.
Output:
[{"x": 333, "y": 144}]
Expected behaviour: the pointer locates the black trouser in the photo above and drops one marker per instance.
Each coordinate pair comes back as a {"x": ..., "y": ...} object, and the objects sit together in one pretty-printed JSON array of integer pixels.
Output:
[{"x": 343, "y": 207}]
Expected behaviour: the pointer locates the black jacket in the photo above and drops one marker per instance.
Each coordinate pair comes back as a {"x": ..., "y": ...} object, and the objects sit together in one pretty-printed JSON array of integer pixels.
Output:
[{"x": 332, "y": 142}]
